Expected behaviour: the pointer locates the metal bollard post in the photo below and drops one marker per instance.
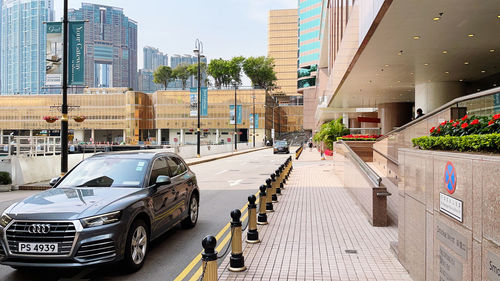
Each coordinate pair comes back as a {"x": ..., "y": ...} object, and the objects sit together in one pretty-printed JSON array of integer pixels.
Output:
[
  {"x": 274, "y": 196},
  {"x": 209, "y": 259},
  {"x": 282, "y": 177},
  {"x": 262, "y": 218},
  {"x": 252, "y": 234},
  {"x": 278, "y": 180},
  {"x": 285, "y": 172},
  {"x": 269, "y": 200},
  {"x": 236, "y": 261}
]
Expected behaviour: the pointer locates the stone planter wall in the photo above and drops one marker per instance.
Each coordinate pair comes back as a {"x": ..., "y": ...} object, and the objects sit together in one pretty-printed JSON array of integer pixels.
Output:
[
  {"x": 5, "y": 187},
  {"x": 434, "y": 245}
]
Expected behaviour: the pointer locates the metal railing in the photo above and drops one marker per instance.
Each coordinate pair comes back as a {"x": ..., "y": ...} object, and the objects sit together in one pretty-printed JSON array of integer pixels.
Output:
[
  {"x": 453, "y": 103},
  {"x": 367, "y": 170},
  {"x": 30, "y": 146}
]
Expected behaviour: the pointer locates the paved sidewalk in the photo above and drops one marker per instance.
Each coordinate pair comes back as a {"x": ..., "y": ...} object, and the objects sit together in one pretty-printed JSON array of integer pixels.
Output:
[{"x": 318, "y": 233}]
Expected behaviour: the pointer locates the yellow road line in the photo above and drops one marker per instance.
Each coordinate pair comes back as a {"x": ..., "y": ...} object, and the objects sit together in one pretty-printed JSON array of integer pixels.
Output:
[{"x": 197, "y": 259}]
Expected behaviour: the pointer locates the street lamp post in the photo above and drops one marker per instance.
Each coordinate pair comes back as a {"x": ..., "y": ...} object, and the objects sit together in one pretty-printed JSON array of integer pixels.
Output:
[
  {"x": 235, "y": 119},
  {"x": 64, "y": 106},
  {"x": 253, "y": 120},
  {"x": 198, "y": 49}
]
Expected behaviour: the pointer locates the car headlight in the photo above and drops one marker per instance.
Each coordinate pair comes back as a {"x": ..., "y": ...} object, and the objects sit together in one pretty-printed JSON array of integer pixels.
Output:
[
  {"x": 101, "y": 219},
  {"x": 5, "y": 220}
]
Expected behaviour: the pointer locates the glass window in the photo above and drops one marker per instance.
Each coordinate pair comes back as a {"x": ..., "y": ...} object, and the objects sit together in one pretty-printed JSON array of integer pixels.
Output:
[
  {"x": 159, "y": 169},
  {"x": 176, "y": 165}
]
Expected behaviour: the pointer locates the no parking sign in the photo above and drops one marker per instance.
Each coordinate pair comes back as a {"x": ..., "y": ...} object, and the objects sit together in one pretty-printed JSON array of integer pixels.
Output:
[{"x": 450, "y": 178}]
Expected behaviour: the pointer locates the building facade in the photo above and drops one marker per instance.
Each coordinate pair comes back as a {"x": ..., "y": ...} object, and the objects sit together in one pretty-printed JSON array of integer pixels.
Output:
[
  {"x": 22, "y": 45},
  {"x": 117, "y": 115},
  {"x": 110, "y": 46}
]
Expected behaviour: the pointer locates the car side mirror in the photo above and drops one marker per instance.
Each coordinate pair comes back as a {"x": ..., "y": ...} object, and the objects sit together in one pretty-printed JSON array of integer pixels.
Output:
[
  {"x": 162, "y": 180},
  {"x": 53, "y": 181}
]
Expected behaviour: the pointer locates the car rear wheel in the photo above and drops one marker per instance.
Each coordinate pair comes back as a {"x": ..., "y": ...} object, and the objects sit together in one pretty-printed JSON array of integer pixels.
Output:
[
  {"x": 137, "y": 246},
  {"x": 192, "y": 217}
]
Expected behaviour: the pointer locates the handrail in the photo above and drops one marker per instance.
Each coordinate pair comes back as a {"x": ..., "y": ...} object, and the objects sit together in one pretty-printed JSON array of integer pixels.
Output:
[
  {"x": 368, "y": 171},
  {"x": 484, "y": 93},
  {"x": 386, "y": 156}
]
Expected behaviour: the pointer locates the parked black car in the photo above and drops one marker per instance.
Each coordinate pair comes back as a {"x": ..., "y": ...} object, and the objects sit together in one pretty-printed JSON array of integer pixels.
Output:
[
  {"x": 106, "y": 209},
  {"x": 281, "y": 147}
]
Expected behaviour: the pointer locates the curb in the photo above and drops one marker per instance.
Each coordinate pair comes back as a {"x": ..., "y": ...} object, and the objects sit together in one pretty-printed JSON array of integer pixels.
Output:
[{"x": 45, "y": 187}]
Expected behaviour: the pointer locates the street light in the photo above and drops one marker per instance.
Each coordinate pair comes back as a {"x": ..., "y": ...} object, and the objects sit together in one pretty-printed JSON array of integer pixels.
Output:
[
  {"x": 235, "y": 118},
  {"x": 64, "y": 106},
  {"x": 198, "y": 50},
  {"x": 253, "y": 119}
]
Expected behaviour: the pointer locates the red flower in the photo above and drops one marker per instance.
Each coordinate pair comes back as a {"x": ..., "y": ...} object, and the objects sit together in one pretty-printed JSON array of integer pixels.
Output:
[
  {"x": 439, "y": 129},
  {"x": 474, "y": 122},
  {"x": 496, "y": 116},
  {"x": 465, "y": 125},
  {"x": 465, "y": 117},
  {"x": 444, "y": 123},
  {"x": 491, "y": 122},
  {"x": 433, "y": 129},
  {"x": 455, "y": 124}
]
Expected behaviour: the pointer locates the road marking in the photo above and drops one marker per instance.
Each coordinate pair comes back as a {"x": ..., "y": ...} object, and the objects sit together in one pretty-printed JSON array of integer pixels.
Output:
[
  {"x": 234, "y": 182},
  {"x": 221, "y": 172},
  {"x": 197, "y": 259}
]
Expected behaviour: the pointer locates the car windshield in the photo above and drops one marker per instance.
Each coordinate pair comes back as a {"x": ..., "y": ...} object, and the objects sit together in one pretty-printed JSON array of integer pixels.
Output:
[
  {"x": 107, "y": 172},
  {"x": 281, "y": 143}
]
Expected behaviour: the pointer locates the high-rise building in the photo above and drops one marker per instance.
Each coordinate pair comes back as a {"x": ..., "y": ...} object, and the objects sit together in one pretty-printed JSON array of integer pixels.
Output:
[
  {"x": 23, "y": 39},
  {"x": 282, "y": 47},
  {"x": 110, "y": 46},
  {"x": 153, "y": 58}
]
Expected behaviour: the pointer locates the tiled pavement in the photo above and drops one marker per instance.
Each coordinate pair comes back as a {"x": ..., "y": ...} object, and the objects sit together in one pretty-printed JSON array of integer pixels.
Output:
[{"x": 314, "y": 224}]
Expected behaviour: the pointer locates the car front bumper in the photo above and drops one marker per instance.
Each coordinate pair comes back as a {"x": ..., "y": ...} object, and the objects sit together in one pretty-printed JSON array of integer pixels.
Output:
[{"x": 91, "y": 246}]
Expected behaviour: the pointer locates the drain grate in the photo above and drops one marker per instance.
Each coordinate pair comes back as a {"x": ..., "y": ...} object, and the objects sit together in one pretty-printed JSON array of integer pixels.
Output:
[{"x": 351, "y": 251}]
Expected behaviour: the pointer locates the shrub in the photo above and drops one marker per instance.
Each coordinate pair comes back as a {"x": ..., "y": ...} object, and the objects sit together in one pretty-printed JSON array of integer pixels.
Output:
[
  {"x": 330, "y": 131},
  {"x": 5, "y": 178},
  {"x": 473, "y": 125},
  {"x": 472, "y": 143}
]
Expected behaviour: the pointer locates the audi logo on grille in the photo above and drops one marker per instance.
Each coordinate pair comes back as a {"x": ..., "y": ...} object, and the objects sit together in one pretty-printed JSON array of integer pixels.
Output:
[{"x": 39, "y": 228}]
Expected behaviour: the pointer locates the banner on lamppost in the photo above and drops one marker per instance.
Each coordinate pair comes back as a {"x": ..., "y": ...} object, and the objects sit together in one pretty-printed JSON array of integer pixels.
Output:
[
  {"x": 76, "y": 53},
  {"x": 252, "y": 121},
  {"x": 239, "y": 116},
  {"x": 54, "y": 54},
  {"x": 193, "y": 101}
]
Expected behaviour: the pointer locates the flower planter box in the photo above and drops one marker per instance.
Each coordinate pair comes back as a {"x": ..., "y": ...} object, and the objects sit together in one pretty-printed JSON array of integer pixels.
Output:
[{"x": 5, "y": 187}]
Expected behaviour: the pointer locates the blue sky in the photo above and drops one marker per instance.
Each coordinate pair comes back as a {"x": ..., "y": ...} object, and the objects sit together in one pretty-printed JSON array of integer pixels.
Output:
[{"x": 227, "y": 28}]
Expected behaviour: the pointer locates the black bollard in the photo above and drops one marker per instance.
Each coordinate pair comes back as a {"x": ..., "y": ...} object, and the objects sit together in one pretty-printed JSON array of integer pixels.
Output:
[
  {"x": 282, "y": 177},
  {"x": 274, "y": 197},
  {"x": 209, "y": 258},
  {"x": 262, "y": 217},
  {"x": 252, "y": 233},
  {"x": 269, "y": 200},
  {"x": 236, "y": 261},
  {"x": 278, "y": 177},
  {"x": 283, "y": 171}
]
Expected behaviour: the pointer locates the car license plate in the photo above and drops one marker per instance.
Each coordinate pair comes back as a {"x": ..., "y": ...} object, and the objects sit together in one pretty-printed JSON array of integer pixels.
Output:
[{"x": 38, "y": 248}]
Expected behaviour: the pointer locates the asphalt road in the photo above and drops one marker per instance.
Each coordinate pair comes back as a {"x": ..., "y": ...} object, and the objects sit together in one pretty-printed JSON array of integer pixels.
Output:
[{"x": 225, "y": 185}]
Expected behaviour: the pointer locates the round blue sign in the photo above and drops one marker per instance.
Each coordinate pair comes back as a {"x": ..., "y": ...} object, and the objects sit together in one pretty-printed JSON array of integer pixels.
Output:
[{"x": 450, "y": 178}]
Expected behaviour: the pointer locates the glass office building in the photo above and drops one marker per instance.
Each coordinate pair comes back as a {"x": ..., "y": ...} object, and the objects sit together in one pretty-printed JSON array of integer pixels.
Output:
[
  {"x": 23, "y": 39},
  {"x": 110, "y": 46},
  {"x": 309, "y": 41}
]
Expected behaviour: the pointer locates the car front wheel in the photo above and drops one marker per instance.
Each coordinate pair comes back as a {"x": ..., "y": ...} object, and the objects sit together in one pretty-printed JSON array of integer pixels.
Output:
[
  {"x": 137, "y": 246},
  {"x": 192, "y": 217}
]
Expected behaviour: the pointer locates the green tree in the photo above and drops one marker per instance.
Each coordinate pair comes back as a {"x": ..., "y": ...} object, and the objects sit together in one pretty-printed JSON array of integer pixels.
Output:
[
  {"x": 260, "y": 70},
  {"x": 163, "y": 75},
  {"x": 182, "y": 73},
  {"x": 218, "y": 69},
  {"x": 234, "y": 67},
  {"x": 193, "y": 70}
]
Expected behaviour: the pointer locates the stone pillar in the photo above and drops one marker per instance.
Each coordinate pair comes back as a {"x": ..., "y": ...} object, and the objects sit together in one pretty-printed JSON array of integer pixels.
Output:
[
  {"x": 393, "y": 115},
  {"x": 181, "y": 141},
  {"x": 92, "y": 135},
  {"x": 158, "y": 136},
  {"x": 345, "y": 119},
  {"x": 1, "y": 136},
  {"x": 431, "y": 95},
  {"x": 125, "y": 136},
  {"x": 217, "y": 135}
]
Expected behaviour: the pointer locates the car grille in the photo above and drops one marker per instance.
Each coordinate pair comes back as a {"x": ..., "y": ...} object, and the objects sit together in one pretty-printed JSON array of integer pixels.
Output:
[
  {"x": 97, "y": 250},
  {"x": 62, "y": 233}
]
